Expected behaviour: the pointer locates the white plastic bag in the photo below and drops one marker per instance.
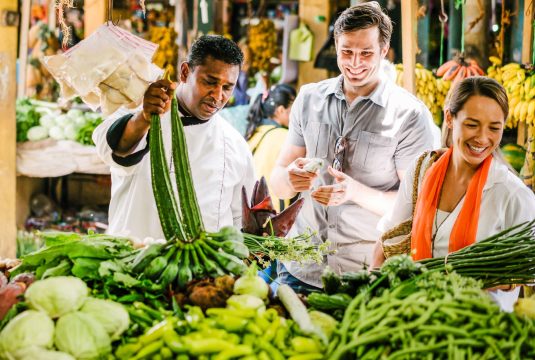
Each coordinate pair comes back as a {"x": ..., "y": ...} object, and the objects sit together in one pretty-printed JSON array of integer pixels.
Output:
[{"x": 109, "y": 69}]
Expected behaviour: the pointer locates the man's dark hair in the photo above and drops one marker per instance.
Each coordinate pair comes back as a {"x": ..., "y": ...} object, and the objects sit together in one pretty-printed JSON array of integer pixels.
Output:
[
  {"x": 216, "y": 46},
  {"x": 365, "y": 16}
]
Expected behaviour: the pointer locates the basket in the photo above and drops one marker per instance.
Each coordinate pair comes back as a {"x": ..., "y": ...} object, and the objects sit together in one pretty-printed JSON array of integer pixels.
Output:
[{"x": 397, "y": 240}]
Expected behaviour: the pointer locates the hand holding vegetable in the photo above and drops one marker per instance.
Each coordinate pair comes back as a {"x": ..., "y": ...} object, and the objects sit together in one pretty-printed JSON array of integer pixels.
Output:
[
  {"x": 157, "y": 98},
  {"x": 300, "y": 179}
]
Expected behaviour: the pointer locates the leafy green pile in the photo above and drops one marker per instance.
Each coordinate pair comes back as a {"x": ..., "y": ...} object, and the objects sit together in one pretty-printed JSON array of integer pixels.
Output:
[{"x": 27, "y": 117}]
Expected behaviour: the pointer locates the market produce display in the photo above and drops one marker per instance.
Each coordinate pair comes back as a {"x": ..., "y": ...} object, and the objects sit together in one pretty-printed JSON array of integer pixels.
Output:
[
  {"x": 515, "y": 155},
  {"x": 166, "y": 56},
  {"x": 63, "y": 322},
  {"x": 38, "y": 120},
  {"x": 429, "y": 89},
  {"x": 519, "y": 83},
  {"x": 262, "y": 44},
  {"x": 433, "y": 316},
  {"x": 457, "y": 69}
]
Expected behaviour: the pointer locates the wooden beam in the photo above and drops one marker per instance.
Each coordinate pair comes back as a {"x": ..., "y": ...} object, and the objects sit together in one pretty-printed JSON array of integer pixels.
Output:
[
  {"x": 8, "y": 177},
  {"x": 23, "y": 48},
  {"x": 94, "y": 15},
  {"x": 409, "y": 42},
  {"x": 527, "y": 48}
]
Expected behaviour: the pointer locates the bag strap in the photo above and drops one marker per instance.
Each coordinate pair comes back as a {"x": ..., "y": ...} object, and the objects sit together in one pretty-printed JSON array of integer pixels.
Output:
[
  {"x": 416, "y": 180},
  {"x": 262, "y": 138}
]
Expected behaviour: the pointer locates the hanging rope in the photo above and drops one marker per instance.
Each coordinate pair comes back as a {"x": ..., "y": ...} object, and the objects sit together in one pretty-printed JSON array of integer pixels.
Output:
[
  {"x": 461, "y": 4},
  {"x": 443, "y": 18}
]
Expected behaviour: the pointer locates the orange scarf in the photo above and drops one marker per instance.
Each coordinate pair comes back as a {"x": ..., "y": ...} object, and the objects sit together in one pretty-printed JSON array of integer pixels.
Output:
[{"x": 465, "y": 228}]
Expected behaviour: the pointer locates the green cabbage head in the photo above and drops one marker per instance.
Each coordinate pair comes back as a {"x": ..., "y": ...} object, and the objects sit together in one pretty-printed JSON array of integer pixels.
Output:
[
  {"x": 57, "y": 295},
  {"x": 36, "y": 352},
  {"x": 26, "y": 329},
  {"x": 110, "y": 314},
  {"x": 82, "y": 336}
]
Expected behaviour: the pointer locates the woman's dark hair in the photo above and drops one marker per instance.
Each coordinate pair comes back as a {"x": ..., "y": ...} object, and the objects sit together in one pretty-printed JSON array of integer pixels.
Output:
[
  {"x": 474, "y": 86},
  {"x": 280, "y": 94},
  {"x": 217, "y": 47}
]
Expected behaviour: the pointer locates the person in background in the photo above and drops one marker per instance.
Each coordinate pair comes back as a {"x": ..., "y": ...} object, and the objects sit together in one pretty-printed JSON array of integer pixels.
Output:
[
  {"x": 365, "y": 126},
  {"x": 469, "y": 193},
  {"x": 267, "y": 128},
  {"x": 221, "y": 163}
]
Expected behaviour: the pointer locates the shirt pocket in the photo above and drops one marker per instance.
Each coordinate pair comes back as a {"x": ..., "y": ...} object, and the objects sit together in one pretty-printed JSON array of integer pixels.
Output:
[
  {"x": 317, "y": 136},
  {"x": 373, "y": 151}
]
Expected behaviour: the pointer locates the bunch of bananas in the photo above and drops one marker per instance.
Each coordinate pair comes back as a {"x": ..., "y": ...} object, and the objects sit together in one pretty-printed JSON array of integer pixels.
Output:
[
  {"x": 430, "y": 90},
  {"x": 458, "y": 69},
  {"x": 166, "y": 57},
  {"x": 527, "y": 173},
  {"x": 263, "y": 44},
  {"x": 519, "y": 83}
]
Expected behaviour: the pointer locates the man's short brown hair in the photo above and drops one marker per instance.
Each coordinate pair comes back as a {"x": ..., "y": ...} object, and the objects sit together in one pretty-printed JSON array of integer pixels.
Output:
[{"x": 364, "y": 16}]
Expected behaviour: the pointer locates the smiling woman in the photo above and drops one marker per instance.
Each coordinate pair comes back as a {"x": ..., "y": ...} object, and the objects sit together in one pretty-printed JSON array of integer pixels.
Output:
[{"x": 468, "y": 194}]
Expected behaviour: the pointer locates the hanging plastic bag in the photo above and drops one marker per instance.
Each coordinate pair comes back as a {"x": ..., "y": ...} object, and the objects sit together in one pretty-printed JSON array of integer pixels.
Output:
[
  {"x": 301, "y": 43},
  {"x": 109, "y": 69}
]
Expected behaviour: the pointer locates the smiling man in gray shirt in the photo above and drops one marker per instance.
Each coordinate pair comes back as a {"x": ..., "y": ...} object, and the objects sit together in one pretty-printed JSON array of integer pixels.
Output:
[{"x": 368, "y": 129}]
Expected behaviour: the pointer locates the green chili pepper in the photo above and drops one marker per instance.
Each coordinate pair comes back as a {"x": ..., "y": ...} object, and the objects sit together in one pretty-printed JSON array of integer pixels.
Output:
[
  {"x": 304, "y": 345},
  {"x": 149, "y": 349},
  {"x": 173, "y": 341},
  {"x": 154, "y": 333},
  {"x": 207, "y": 346},
  {"x": 126, "y": 351},
  {"x": 235, "y": 352}
]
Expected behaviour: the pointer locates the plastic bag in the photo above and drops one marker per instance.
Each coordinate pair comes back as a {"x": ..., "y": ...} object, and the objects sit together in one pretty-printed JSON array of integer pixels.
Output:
[{"x": 109, "y": 69}]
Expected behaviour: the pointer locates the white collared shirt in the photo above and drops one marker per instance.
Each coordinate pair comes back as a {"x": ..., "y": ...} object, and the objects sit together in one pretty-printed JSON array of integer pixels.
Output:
[{"x": 221, "y": 164}]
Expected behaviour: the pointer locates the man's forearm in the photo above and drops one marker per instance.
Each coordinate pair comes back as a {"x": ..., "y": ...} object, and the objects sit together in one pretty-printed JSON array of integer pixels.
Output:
[
  {"x": 280, "y": 184},
  {"x": 134, "y": 131},
  {"x": 374, "y": 200}
]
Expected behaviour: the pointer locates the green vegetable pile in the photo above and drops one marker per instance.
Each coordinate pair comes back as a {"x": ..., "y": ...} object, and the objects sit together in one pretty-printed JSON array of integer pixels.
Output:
[
  {"x": 38, "y": 120},
  {"x": 63, "y": 317},
  {"x": 339, "y": 290},
  {"x": 502, "y": 259},
  {"x": 100, "y": 260},
  {"x": 244, "y": 329},
  {"x": 433, "y": 316}
]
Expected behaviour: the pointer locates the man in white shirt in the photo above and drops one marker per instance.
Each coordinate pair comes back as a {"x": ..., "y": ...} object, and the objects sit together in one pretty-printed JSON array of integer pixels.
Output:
[{"x": 220, "y": 159}]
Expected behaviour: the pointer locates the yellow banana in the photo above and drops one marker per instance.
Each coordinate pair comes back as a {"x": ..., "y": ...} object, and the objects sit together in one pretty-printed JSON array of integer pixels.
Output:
[
  {"x": 524, "y": 111},
  {"x": 511, "y": 66},
  {"x": 495, "y": 60}
]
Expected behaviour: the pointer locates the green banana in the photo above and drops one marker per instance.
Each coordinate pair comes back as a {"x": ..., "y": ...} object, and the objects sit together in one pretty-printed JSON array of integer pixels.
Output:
[{"x": 145, "y": 256}]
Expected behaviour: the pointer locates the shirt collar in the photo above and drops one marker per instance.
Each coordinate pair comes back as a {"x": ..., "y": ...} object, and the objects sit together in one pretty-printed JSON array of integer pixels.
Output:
[
  {"x": 498, "y": 173},
  {"x": 379, "y": 96}
]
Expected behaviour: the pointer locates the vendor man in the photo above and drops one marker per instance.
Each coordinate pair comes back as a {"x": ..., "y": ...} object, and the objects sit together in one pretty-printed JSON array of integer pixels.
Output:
[
  {"x": 219, "y": 156},
  {"x": 367, "y": 130}
]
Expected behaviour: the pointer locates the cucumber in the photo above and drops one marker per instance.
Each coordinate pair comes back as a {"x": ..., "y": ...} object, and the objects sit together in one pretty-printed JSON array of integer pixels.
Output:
[
  {"x": 323, "y": 301},
  {"x": 171, "y": 271},
  {"x": 184, "y": 272},
  {"x": 146, "y": 255}
]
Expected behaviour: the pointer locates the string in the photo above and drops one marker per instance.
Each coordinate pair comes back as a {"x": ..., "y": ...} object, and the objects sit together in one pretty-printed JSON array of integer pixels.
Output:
[
  {"x": 443, "y": 18},
  {"x": 461, "y": 4}
]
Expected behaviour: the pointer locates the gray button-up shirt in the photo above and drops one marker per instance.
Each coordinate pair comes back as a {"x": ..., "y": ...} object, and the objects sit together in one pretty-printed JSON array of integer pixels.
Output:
[{"x": 385, "y": 132}]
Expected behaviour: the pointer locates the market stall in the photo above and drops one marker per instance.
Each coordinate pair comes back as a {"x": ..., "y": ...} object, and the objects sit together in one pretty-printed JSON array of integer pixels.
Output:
[{"x": 198, "y": 294}]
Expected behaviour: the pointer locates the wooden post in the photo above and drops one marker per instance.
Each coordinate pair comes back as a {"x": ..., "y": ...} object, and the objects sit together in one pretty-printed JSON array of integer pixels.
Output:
[
  {"x": 310, "y": 12},
  {"x": 8, "y": 177},
  {"x": 527, "y": 43},
  {"x": 410, "y": 44},
  {"x": 23, "y": 48},
  {"x": 94, "y": 15}
]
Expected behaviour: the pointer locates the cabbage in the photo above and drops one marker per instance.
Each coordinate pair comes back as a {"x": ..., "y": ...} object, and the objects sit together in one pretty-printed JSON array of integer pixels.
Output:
[
  {"x": 56, "y": 133},
  {"x": 57, "y": 295},
  {"x": 75, "y": 113},
  {"x": 48, "y": 121},
  {"x": 71, "y": 132},
  {"x": 82, "y": 336},
  {"x": 62, "y": 120},
  {"x": 29, "y": 328},
  {"x": 37, "y": 133},
  {"x": 36, "y": 352},
  {"x": 109, "y": 314}
]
